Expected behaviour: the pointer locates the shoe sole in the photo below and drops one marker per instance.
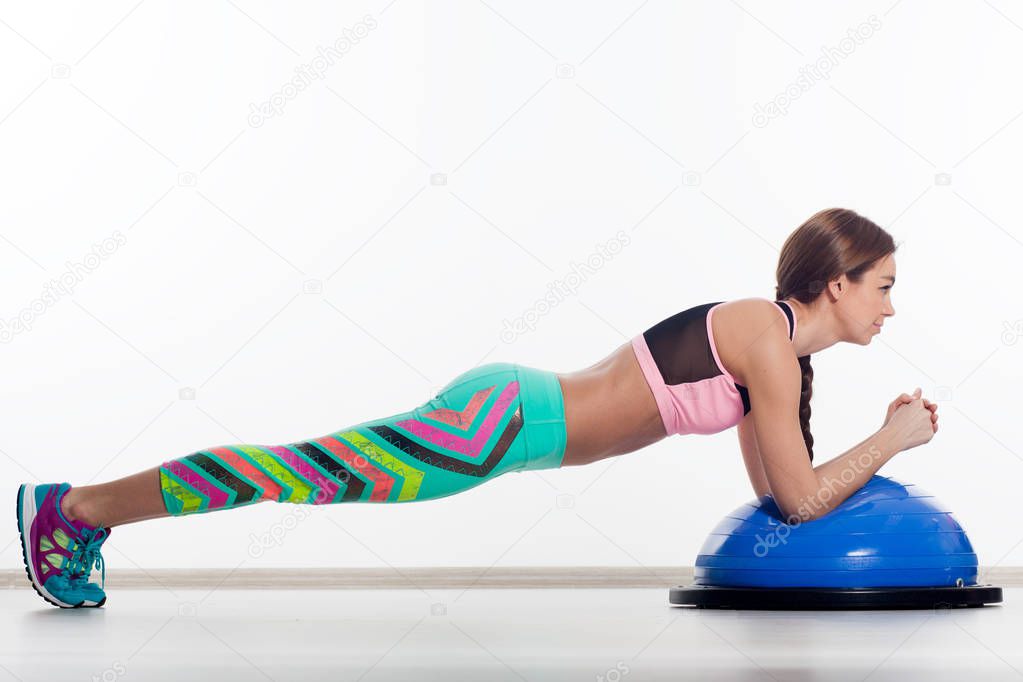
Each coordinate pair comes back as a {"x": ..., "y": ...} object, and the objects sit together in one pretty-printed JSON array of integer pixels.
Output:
[{"x": 26, "y": 538}]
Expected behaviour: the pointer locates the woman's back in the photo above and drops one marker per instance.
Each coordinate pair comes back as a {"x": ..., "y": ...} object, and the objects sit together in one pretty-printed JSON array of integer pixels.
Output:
[{"x": 609, "y": 409}]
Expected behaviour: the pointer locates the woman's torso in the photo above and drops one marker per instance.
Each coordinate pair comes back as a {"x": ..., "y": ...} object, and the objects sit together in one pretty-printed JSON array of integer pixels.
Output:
[{"x": 676, "y": 377}]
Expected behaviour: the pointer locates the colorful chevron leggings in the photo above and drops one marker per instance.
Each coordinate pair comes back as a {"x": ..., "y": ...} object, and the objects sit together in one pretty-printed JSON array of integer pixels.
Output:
[{"x": 492, "y": 419}]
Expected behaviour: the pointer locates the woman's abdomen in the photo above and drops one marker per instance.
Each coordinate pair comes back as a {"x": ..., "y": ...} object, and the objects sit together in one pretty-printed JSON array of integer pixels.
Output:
[{"x": 609, "y": 409}]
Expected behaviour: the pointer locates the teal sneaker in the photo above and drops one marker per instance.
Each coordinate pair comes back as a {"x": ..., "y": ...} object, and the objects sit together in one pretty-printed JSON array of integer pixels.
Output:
[{"x": 59, "y": 553}]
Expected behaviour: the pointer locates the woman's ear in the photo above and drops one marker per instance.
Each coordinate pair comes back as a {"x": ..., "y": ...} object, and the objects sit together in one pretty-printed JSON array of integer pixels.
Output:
[{"x": 836, "y": 287}]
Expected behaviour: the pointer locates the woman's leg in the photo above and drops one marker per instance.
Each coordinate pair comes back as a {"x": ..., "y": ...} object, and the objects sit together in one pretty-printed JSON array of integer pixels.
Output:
[
  {"x": 492, "y": 419},
  {"x": 133, "y": 498}
]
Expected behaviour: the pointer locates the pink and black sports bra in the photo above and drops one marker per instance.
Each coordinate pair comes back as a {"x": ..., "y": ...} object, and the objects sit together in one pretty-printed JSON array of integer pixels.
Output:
[{"x": 693, "y": 390}]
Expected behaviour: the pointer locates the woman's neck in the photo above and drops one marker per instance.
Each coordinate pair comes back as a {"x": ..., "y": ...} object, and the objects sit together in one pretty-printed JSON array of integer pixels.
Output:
[{"x": 813, "y": 328}]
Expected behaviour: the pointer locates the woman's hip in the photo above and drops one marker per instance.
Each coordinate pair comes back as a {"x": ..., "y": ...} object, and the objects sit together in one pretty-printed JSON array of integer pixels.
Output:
[{"x": 510, "y": 407}]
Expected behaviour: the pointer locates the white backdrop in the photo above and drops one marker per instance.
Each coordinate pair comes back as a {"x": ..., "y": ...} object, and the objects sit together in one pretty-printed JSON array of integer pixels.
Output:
[{"x": 246, "y": 261}]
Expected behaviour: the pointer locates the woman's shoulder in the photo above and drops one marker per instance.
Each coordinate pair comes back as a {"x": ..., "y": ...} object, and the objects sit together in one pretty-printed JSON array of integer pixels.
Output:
[
  {"x": 746, "y": 330},
  {"x": 750, "y": 308}
]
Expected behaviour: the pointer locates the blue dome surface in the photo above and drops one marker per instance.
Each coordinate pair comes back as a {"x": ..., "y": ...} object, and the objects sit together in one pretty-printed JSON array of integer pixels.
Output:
[{"x": 886, "y": 534}]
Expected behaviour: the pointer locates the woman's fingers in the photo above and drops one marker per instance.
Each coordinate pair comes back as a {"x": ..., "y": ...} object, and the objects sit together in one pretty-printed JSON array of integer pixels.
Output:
[{"x": 905, "y": 398}]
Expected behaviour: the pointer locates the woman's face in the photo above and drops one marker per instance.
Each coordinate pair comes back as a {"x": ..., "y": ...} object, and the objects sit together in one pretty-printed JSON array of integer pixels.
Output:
[{"x": 865, "y": 305}]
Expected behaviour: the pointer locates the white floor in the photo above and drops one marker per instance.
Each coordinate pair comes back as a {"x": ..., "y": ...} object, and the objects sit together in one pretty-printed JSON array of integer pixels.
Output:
[{"x": 491, "y": 634}]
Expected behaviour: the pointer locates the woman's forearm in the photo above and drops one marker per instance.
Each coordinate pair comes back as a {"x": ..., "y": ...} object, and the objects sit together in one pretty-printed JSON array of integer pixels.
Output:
[{"x": 840, "y": 477}]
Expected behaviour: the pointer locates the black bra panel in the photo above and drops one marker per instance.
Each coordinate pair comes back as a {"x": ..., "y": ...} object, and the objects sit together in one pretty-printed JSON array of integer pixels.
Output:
[
  {"x": 681, "y": 349},
  {"x": 788, "y": 313},
  {"x": 744, "y": 394}
]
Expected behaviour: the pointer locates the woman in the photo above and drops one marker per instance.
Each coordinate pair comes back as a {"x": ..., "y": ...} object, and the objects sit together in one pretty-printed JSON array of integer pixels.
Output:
[{"x": 716, "y": 365}]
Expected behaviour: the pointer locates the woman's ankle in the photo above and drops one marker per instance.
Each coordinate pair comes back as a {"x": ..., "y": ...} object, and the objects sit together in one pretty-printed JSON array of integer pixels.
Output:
[{"x": 76, "y": 507}]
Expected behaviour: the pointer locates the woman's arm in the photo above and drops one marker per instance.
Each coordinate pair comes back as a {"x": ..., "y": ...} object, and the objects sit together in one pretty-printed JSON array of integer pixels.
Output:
[
  {"x": 755, "y": 466},
  {"x": 800, "y": 490},
  {"x": 751, "y": 456}
]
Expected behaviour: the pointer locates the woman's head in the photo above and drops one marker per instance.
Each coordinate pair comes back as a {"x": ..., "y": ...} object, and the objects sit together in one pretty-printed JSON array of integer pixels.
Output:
[
  {"x": 839, "y": 259},
  {"x": 845, "y": 262}
]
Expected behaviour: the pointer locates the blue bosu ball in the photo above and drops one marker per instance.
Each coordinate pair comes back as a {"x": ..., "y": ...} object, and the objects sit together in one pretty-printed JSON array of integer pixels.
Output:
[{"x": 889, "y": 544}]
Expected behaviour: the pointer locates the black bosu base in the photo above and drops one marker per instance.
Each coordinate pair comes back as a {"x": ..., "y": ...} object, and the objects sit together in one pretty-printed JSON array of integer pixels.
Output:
[{"x": 833, "y": 598}]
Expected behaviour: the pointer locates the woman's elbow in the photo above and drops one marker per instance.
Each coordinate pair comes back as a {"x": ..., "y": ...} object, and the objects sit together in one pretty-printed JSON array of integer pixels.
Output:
[
  {"x": 792, "y": 511},
  {"x": 795, "y": 500}
]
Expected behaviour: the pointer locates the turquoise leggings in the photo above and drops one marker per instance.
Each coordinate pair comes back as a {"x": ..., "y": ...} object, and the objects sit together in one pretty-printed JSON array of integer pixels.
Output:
[{"x": 489, "y": 420}]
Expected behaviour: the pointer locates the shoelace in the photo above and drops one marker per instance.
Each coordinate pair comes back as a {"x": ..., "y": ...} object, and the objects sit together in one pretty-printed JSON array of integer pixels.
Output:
[{"x": 86, "y": 555}]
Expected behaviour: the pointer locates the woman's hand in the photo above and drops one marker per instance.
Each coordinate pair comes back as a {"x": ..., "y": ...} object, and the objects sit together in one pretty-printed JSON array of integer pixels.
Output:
[
  {"x": 912, "y": 423},
  {"x": 905, "y": 399}
]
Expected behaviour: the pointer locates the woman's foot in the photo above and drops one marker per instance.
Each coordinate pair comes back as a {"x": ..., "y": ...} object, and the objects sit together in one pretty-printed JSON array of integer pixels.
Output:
[{"x": 59, "y": 553}]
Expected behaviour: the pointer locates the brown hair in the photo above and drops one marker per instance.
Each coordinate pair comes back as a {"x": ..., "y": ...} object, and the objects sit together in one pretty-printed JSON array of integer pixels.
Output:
[{"x": 830, "y": 243}]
